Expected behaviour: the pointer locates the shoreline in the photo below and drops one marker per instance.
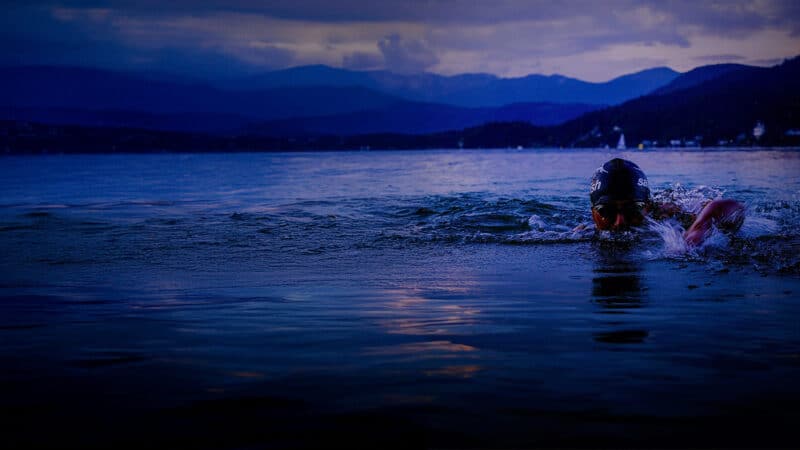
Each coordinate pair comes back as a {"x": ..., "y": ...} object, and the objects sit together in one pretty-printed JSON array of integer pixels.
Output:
[
  {"x": 38, "y": 138},
  {"x": 160, "y": 151}
]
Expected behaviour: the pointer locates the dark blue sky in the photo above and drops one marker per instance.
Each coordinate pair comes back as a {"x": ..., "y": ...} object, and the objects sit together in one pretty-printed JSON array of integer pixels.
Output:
[{"x": 591, "y": 40}]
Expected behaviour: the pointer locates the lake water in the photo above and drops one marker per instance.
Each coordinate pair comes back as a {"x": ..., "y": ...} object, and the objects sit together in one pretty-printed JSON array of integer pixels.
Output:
[{"x": 379, "y": 299}]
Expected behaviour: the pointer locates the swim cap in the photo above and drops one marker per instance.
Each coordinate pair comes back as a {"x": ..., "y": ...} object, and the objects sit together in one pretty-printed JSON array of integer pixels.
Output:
[{"x": 619, "y": 179}]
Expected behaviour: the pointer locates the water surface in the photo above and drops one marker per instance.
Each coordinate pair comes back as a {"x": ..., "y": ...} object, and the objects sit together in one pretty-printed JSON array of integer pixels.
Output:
[{"x": 428, "y": 298}]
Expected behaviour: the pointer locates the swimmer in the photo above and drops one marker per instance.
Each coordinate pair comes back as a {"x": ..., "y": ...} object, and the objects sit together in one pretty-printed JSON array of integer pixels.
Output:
[{"x": 620, "y": 196}]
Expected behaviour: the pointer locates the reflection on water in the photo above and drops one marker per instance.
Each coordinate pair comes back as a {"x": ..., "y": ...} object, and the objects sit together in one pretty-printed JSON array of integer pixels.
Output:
[
  {"x": 617, "y": 288},
  {"x": 246, "y": 307},
  {"x": 455, "y": 371},
  {"x": 422, "y": 349},
  {"x": 617, "y": 282}
]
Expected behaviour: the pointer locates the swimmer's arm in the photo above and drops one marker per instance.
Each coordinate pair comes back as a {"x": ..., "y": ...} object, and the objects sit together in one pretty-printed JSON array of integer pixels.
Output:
[{"x": 724, "y": 213}]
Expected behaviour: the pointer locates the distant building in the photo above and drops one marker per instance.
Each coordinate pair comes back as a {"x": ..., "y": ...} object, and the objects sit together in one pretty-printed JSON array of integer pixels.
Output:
[
  {"x": 649, "y": 143},
  {"x": 675, "y": 142},
  {"x": 759, "y": 130}
]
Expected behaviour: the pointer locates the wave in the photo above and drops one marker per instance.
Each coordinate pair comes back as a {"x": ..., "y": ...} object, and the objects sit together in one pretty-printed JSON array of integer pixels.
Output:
[{"x": 767, "y": 240}]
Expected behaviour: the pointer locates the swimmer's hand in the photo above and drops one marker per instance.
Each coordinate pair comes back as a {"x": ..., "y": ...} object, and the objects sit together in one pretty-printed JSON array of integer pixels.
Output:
[{"x": 726, "y": 214}]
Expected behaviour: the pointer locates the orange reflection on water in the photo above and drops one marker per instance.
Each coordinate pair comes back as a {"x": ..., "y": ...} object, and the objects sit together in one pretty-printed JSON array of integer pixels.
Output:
[
  {"x": 401, "y": 300},
  {"x": 245, "y": 374},
  {"x": 420, "y": 316},
  {"x": 428, "y": 325},
  {"x": 421, "y": 348},
  {"x": 467, "y": 371}
]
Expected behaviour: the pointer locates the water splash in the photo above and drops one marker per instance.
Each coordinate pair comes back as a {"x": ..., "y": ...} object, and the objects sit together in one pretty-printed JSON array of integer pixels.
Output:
[
  {"x": 670, "y": 233},
  {"x": 768, "y": 239},
  {"x": 536, "y": 223},
  {"x": 690, "y": 200},
  {"x": 544, "y": 236}
]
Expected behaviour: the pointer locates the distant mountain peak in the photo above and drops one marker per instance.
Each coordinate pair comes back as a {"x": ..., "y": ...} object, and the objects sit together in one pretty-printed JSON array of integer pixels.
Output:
[
  {"x": 661, "y": 71},
  {"x": 304, "y": 91},
  {"x": 700, "y": 75}
]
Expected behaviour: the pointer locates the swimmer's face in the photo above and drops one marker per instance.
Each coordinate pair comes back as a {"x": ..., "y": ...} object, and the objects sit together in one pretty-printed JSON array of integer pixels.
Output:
[{"x": 619, "y": 215}]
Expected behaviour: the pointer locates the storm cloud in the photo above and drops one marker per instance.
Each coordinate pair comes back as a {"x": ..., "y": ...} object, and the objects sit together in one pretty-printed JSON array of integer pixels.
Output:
[
  {"x": 362, "y": 61},
  {"x": 593, "y": 40},
  {"x": 406, "y": 55}
]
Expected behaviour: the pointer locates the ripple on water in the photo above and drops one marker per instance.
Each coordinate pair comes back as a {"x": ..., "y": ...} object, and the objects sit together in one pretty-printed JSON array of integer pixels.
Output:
[{"x": 317, "y": 227}]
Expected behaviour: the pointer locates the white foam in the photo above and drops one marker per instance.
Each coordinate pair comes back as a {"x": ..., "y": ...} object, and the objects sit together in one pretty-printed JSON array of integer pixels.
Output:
[
  {"x": 536, "y": 223},
  {"x": 671, "y": 234},
  {"x": 689, "y": 200},
  {"x": 756, "y": 226}
]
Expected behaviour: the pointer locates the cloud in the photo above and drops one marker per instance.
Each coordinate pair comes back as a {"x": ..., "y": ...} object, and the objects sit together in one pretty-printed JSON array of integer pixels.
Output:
[
  {"x": 209, "y": 62},
  {"x": 733, "y": 18},
  {"x": 728, "y": 15},
  {"x": 362, "y": 61},
  {"x": 768, "y": 62},
  {"x": 719, "y": 58},
  {"x": 406, "y": 55},
  {"x": 593, "y": 40},
  {"x": 32, "y": 35}
]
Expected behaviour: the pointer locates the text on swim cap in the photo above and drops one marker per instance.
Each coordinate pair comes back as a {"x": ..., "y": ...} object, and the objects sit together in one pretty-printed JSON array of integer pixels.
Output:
[{"x": 595, "y": 185}]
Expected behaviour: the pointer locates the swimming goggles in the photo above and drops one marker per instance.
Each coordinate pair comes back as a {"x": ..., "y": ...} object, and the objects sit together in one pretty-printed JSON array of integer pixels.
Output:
[{"x": 629, "y": 210}]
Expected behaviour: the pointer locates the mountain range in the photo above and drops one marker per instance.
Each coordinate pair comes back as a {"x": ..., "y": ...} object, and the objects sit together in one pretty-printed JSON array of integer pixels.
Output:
[
  {"x": 417, "y": 118},
  {"x": 725, "y": 107},
  {"x": 309, "y": 99},
  {"x": 708, "y": 105},
  {"x": 468, "y": 90}
]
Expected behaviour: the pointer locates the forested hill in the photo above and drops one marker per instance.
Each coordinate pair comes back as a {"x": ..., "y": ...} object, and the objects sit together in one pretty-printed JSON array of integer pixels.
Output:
[{"x": 724, "y": 109}]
